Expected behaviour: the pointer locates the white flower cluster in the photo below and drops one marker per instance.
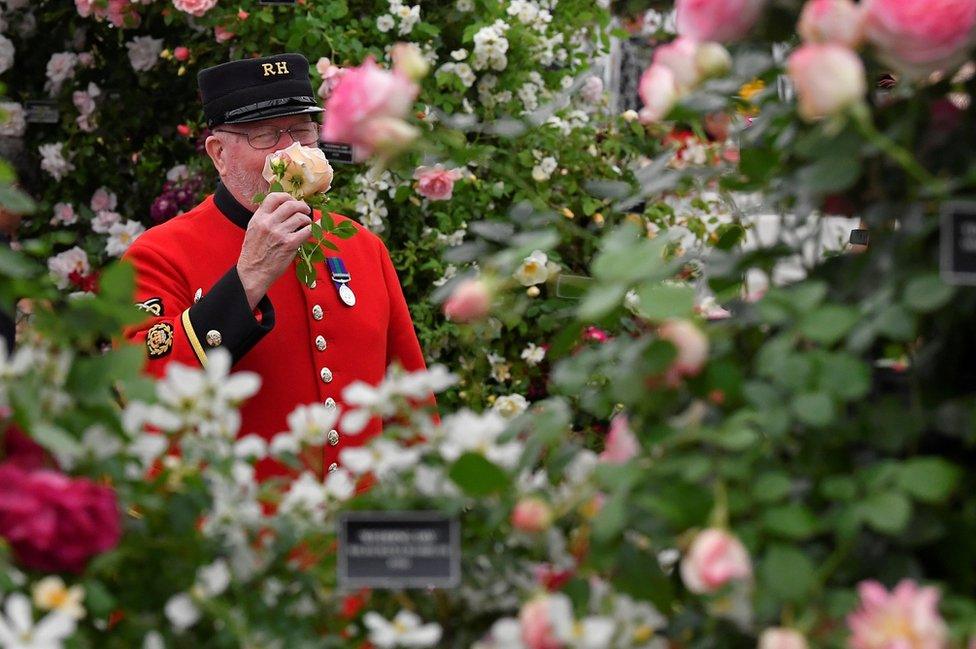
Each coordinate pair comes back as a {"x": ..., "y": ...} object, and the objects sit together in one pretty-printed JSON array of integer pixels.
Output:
[
  {"x": 545, "y": 166},
  {"x": 491, "y": 47},
  {"x": 144, "y": 52},
  {"x": 60, "y": 67},
  {"x": 486, "y": 94},
  {"x": 370, "y": 205},
  {"x": 530, "y": 91},
  {"x": 573, "y": 120},
  {"x": 53, "y": 160},
  {"x": 367, "y": 401},
  {"x": 530, "y": 13},
  {"x": 550, "y": 50},
  {"x": 462, "y": 70},
  {"x": 407, "y": 17}
]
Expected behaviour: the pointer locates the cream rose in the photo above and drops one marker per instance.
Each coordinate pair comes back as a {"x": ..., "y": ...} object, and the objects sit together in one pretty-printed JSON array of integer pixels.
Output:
[
  {"x": 534, "y": 269},
  {"x": 306, "y": 170}
]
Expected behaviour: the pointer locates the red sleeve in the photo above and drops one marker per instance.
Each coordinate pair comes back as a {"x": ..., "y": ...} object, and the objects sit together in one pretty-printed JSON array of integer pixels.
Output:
[{"x": 182, "y": 329}]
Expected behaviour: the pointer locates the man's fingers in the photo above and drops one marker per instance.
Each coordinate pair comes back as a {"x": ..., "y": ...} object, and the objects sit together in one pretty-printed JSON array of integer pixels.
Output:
[
  {"x": 300, "y": 236},
  {"x": 295, "y": 222},
  {"x": 285, "y": 211},
  {"x": 273, "y": 200}
]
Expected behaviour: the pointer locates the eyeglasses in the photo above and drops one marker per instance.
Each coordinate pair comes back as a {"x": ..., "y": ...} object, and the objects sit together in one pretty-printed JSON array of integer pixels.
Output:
[{"x": 306, "y": 134}]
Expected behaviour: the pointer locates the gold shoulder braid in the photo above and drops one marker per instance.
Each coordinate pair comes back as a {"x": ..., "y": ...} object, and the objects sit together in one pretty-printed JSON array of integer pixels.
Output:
[{"x": 159, "y": 339}]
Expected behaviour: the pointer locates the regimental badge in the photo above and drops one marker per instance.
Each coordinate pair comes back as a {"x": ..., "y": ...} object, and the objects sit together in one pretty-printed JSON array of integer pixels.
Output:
[
  {"x": 159, "y": 339},
  {"x": 153, "y": 305}
]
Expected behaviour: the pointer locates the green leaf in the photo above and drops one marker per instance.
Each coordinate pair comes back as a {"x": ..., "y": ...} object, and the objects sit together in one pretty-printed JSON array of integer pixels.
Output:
[
  {"x": 927, "y": 293},
  {"x": 325, "y": 243},
  {"x": 275, "y": 187},
  {"x": 771, "y": 487},
  {"x": 793, "y": 521},
  {"x": 316, "y": 230},
  {"x": 612, "y": 517},
  {"x": 98, "y": 599},
  {"x": 828, "y": 324},
  {"x": 787, "y": 573},
  {"x": 830, "y": 174},
  {"x": 476, "y": 476},
  {"x": 887, "y": 512},
  {"x": 54, "y": 438},
  {"x": 842, "y": 488},
  {"x": 661, "y": 301},
  {"x": 601, "y": 300},
  {"x": 929, "y": 479},
  {"x": 896, "y": 322},
  {"x": 306, "y": 273},
  {"x": 814, "y": 408}
]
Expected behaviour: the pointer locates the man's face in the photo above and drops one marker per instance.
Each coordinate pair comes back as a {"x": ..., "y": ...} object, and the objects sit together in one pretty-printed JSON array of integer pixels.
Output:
[{"x": 240, "y": 164}]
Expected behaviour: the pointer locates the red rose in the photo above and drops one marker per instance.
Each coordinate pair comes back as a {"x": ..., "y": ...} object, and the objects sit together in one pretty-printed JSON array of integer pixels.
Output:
[{"x": 54, "y": 523}]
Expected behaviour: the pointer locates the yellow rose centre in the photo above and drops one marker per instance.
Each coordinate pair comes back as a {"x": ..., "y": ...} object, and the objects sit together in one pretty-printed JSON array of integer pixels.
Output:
[{"x": 643, "y": 633}]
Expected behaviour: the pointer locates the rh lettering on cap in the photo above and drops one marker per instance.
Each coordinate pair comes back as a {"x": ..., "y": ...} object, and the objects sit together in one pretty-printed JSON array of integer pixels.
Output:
[{"x": 272, "y": 69}]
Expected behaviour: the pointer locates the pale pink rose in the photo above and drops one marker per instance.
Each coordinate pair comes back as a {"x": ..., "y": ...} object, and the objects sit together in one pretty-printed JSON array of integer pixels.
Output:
[
  {"x": 592, "y": 90},
  {"x": 436, "y": 183},
  {"x": 782, "y": 638},
  {"x": 64, "y": 213},
  {"x": 906, "y": 618},
  {"x": 828, "y": 79},
  {"x": 103, "y": 200},
  {"x": 918, "y": 37},
  {"x": 122, "y": 13},
  {"x": 367, "y": 109},
  {"x": 104, "y": 221},
  {"x": 680, "y": 57},
  {"x": 409, "y": 61},
  {"x": 86, "y": 59},
  {"x": 714, "y": 559},
  {"x": 717, "y": 20},
  {"x": 222, "y": 35},
  {"x": 621, "y": 444},
  {"x": 659, "y": 92},
  {"x": 532, "y": 515},
  {"x": 470, "y": 301},
  {"x": 86, "y": 7},
  {"x": 331, "y": 74},
  {"x": 537, "y": 628},
  {"x": 832, "y": 21},
  {"x": 195, "y": 7},
  {"x": 692, "y": 346},
  {"x": 64, "y": 264}
]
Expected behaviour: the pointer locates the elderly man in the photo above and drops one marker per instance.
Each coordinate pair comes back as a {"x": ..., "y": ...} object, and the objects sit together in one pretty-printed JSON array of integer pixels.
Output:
[{"x": 222, "y": 274}]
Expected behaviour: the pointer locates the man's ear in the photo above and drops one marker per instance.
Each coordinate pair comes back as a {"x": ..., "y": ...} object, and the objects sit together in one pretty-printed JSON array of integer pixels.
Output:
[{"x": 215, "y": 149}]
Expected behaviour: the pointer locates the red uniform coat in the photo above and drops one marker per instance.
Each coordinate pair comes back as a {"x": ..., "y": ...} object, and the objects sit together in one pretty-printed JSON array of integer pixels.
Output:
[{"x": 305, "y": 343}]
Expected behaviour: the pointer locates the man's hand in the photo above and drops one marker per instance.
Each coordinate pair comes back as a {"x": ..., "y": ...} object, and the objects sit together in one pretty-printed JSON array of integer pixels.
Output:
[{"x": 279, "y": 226}]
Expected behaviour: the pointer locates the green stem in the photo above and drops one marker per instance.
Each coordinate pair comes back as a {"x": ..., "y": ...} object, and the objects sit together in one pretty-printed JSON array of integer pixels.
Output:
[{"x": 899, "y": 154}]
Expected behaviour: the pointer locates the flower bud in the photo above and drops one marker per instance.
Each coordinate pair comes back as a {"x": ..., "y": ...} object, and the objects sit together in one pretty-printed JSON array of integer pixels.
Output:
[
  {"x": 409, "y": 61},
  {"x": 532, "y": 515},
  {"x": 713, "y": 60},
  {"x": 828, "y": 79},
  {"x": 470, "y": 301}
]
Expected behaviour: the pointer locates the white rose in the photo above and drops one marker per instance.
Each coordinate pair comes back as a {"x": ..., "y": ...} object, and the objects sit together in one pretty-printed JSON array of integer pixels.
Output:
[
  {"x": 104, "y": 221},
  {"x": 534, "y": 269},
  {"x": 144, "y": 52},
  {"x": 510, "y": 406},
  {"x": 53, "y": 160},
  {"x": 307, "y": 170},
  {"x": 121, "y": 236}
]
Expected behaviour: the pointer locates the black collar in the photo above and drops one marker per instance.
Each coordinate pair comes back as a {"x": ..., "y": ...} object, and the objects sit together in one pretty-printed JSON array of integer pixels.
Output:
[{"x": 226, "y": 203}]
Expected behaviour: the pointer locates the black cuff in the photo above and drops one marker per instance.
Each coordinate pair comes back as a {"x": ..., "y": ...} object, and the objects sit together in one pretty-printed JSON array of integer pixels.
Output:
[{"x": 222, "y": 318}]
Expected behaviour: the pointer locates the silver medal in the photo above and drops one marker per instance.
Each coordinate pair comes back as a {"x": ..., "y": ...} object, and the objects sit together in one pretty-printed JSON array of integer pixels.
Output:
[{"x": 346, "y": 295}]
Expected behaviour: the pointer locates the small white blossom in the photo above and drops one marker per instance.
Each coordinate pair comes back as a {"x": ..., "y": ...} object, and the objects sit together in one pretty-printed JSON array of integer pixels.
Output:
[
  {"x": 406, "y": 630},
  {"x": 533, "y": 354},
  {"x": 144, "y": 52},
  {"x": 53, "y": 160},
  {"x": 385, "y": 23},
  {"x": 181, "y": 612},
  {"x": 510, "y": 406},
  {"x": 18, "y": 631},
  {"x": 60, "y": 67},
  {"x": 121, "y": 236}
]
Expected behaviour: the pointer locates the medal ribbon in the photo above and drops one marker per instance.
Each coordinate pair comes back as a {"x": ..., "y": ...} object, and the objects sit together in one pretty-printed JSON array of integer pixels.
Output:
[{"x": 339, "y": 273}]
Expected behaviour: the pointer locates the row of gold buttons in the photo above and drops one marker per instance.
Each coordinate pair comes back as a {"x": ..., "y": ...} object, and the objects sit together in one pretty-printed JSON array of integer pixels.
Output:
[{"x": 326, "y": 374}]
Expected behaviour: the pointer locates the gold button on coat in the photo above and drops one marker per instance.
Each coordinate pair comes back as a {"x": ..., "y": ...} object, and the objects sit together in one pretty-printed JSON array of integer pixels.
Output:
[
  {"x": 320, "y": 343},
  {"x": 330, "y": 403},
  {"x": 317, "y": 312},
  {"x": 333, "y": 467},
  {"x": 326, "y": 374},
  {"x": 214, "y": 338},
  {"x": 333, "y": 437}
]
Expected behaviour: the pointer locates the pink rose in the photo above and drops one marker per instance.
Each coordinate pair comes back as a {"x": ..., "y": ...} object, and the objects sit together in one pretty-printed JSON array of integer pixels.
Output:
[
  {"x": 717, "y": 20},
  {"x": 195, "y": 7},
  {"x": 828, "y": 79},
  {"x": 54, "y": 523},
  {"x": 331, "y": 74},
  {"x": 692, "y": 346},
  {"x": 470, "y": 301},
  {"x": 537, "y": 628},
  {"x": 367, "y": 109},
  {"x": 918, "y": 37},
  {"x": 64, "y": 213},
  {"x": 85, "y": 7},
  {"x": 436, "y": 183},
  {"x": 122, "y": 13},
  {"x": 222, "y": 35},
  {"x": 532, "y": 515},
  {"x": 680, "y": 57},
  {"x": 592, "y": 90},
  {"x": 782, "y": 638},
  {"x": 621, "y": 444},
  {"x": 103, "y": 199},
  {"x": 906, "y": 617},
  {"x": 832, "y": 21},
  {"x": 659, "y": 92},
  {"x": 714, "y": 559}
]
